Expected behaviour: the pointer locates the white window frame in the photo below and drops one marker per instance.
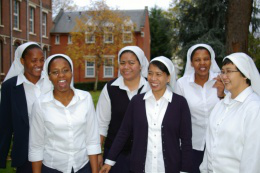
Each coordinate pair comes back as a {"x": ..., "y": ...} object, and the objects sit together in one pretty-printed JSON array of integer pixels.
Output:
[
  {"x": 57, "y": 39},
  {"x": 44, "y": 24},
  {"x": 69, "y": 39},
  {"x": 88, "y": 67},
  {"x": 108, "y": 67},
  {"x": 90, "y": 34},
  {"x": 127, "y": 32},
  {"x": 17, "y": 14},
  {"x": 108, "y": 33},
  {"x": 31, "y": 19}
]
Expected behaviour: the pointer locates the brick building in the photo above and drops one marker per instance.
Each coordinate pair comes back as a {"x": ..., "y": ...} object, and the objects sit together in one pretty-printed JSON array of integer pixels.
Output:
[
  {"x": 64, "y": 23},
  {"x": 22, "y": 21}
]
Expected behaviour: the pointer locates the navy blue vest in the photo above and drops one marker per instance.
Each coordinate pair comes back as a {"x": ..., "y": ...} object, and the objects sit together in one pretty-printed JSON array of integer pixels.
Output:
[{"x": 119, "y": 102}]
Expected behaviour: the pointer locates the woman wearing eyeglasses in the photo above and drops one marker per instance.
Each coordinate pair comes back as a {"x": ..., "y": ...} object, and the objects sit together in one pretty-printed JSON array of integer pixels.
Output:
[
  {"x": 202, "y": 89},
  {"x": 232, "y": 139},
  {"x": 63, "y": 128}
]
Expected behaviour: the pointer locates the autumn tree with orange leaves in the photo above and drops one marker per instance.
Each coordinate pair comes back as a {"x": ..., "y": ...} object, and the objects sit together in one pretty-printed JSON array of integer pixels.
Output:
[{"x": 98, "y": 32}]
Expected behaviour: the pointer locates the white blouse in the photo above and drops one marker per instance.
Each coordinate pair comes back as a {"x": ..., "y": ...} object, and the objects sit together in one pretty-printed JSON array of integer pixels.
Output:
[
  {"x": 233, "y": 140},
  {"x": 63, "y": 137},
  {"x": 104, "y": 104},
  {"x": 201, "y": 101}
]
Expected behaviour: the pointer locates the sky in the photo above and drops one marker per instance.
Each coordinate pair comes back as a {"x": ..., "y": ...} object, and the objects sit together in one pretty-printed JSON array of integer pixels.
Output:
[{"x": 130, "y": 4}]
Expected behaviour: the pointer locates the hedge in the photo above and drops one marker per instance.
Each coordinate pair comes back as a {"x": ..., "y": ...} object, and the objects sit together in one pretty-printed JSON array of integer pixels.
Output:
[{"x": 89, "y": 86}]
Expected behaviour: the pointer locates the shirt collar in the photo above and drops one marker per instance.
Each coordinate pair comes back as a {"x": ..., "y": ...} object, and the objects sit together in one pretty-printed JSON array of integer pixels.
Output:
[
  {"x": 167, "y": 95},
  {"x": 22, "y": 79},
  {"x": 120, "y": 83},
  {"x": 241, "y": 97}
]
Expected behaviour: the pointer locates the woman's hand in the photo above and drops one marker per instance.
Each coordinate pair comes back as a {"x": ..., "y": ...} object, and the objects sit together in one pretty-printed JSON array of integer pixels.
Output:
[
  {"x": 100, "y": 161},
  {"x": 105, "y": 168},
  {"x": 220, "y": 87}
]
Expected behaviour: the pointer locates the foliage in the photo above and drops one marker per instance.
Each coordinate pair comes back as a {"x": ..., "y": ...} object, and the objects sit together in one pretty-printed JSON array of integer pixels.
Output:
[
  {"x": 198, "y": 21},
  {"x": 67, "y": 5},
  {"x": 96, "y": 25},
  {"x": 88, "y": 86},
  {"x": 161, "y": 33}
]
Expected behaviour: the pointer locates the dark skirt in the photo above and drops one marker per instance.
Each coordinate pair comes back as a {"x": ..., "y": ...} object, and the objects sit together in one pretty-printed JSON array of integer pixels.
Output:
[{"x": 85, "y": 169}]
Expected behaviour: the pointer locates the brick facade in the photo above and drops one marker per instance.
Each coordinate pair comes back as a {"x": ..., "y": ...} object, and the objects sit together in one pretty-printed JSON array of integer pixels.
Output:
[{"x": 11, "y": 37}]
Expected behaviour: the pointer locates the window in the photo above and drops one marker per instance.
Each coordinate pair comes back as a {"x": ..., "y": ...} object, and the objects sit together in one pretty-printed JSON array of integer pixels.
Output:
[
  {"x": 89, "y": 68},
  {"x": 89, "y": 34},
  {"x": 57, "y": 39},
  {"x": 142, "y": 34},
  {"x": 44, "y": 24},
  {"x": 108, "y": 67},
  {"x": 69, "y": 39},
  {"x": 16, "y": 14},
  {"x": 31, "y": 20},
  {"x": 45, "y": 53},
  {"x": 127, "y": 34},
  {"x": 108, "y": 36}
]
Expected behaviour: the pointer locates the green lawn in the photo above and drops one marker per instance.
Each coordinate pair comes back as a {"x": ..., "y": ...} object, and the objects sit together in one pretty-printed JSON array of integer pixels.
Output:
[{"x": 95, "y": 96}]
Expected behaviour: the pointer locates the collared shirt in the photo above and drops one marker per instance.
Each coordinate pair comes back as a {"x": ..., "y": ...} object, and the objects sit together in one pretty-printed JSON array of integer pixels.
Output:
[
  {"x": 201, "y": 101},
  {"x": 155, "y": 111},
  {"x": 104, "y": 104},
  {"x": 64, "y": 136},
  {"x": 32, "y": 91},
  {"x": 233, "y": 140}
]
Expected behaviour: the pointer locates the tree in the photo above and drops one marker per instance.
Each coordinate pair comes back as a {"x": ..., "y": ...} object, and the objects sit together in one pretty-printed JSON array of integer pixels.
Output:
[
  {"x": 237, "y": 26},
  {"x": 196, "y": 21},
  {"x": 98, "y": 33},
  {"x": 67, "y": 5},
  {"x": 161, "y": 33}
]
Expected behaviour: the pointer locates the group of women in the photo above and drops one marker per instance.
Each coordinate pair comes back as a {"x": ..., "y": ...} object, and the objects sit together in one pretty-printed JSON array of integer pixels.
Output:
[{"x": 145, "y": 119}]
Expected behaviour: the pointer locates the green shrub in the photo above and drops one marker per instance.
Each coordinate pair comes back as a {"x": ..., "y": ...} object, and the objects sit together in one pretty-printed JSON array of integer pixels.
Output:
[{"x": 89, "y": 86}]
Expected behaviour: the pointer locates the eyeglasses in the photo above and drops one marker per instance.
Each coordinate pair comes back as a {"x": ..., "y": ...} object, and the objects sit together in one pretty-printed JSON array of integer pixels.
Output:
[
  {"x": 57, "y": 72},
  {"x": 227, "y": 72}
]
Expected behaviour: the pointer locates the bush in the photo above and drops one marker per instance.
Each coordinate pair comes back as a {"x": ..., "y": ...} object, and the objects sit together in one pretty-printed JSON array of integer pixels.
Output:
[{"x": 89, "y": 86}]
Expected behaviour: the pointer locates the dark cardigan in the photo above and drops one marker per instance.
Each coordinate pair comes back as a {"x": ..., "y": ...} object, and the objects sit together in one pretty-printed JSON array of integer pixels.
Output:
[{"x": 176, "y": 135}]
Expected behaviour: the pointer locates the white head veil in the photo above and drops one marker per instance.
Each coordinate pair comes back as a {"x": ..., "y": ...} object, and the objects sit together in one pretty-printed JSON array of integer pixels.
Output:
[
  {"x": 17, "y": 66},
  {"x": 247, "y": 66},
  {"x": 140, "y": 55},
  {"x": 214, "y": 66},
  {"x": 46, "y": 65},
  {"x": 168, "y": 63}
]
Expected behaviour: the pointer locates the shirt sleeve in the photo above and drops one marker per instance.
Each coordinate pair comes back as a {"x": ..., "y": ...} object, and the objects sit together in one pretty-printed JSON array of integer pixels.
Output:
[
  {"x": 204, "y": 164},
  {"x": 104, "y": 112},
  {"x": 251, "y": 149},
  {"x": 6, "y": 128},
  {"x": 36, "y": 133},
  {"x": 92, "y": 139}
]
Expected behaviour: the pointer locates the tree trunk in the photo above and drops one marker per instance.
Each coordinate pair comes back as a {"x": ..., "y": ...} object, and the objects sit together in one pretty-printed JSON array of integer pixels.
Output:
[
  {"x": 96, "y": 79},
  {"x": 237, "y": 23}
]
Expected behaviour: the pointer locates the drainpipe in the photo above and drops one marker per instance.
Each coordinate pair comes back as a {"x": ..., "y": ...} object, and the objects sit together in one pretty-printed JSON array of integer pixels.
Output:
[
  {"x": 11, "y": 31},
  {"x": 27, "y": 20},
  {"x": 41, "y": 22}
]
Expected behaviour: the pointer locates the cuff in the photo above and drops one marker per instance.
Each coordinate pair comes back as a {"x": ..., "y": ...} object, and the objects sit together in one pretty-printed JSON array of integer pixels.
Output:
[
  {"x": 103, "y": 132},
  {"x": 34, "y": 157},
  {"x": 94, "y": 149},
  {"x": 110, "y": 162}
]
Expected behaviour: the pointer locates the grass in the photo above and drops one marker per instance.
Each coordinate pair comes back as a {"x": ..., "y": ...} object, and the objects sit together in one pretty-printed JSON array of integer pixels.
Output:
[{"x": 9, "y": 169}]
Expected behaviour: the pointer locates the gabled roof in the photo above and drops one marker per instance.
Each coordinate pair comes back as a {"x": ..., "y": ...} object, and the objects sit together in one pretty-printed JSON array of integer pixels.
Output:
[{"x": 64, "y": 22}]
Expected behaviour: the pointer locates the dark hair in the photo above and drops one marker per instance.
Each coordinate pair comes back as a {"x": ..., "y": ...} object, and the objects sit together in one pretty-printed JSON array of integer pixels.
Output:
[
  {"x": 57, "y": 57},
  {"x": 129, "y": 51},
  {"x": 228, "y": 61},
  {"x": 32, "y": 46},
  {"x": 161, "y": 66},
  {"x": 199, "y": 48}
]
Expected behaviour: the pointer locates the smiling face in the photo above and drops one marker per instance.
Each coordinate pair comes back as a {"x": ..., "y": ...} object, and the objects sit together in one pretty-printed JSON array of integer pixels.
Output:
[
  {"x": 201, "y": 62},
  {"x": 60, "y": 74},
  {"x": 234, "y": 82},
  {"x": 129, "y": 66},
  {"x": 157, "y": 79},
  {"x": 33, "y": 63}
]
